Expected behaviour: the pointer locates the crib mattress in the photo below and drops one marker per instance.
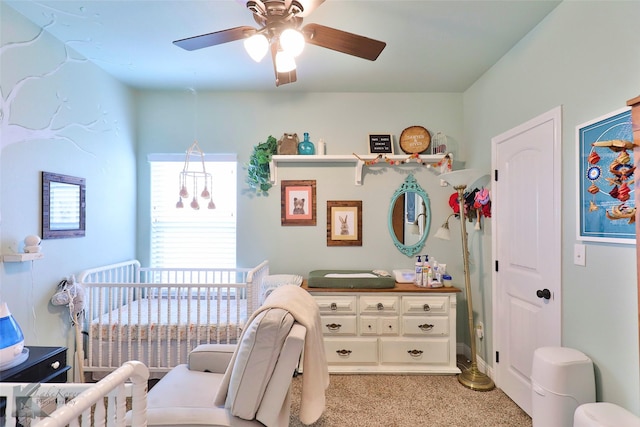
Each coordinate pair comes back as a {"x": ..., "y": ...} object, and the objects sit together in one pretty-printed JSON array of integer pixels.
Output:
[
  {"x": 162, "y": 318},
  {"x": 349, "y": 279}
]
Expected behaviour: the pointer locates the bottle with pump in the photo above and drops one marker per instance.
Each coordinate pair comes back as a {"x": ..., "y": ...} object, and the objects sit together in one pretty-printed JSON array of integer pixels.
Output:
[
  {"x": 418, "y": 278},
  {"x": 427, "y": 274}
]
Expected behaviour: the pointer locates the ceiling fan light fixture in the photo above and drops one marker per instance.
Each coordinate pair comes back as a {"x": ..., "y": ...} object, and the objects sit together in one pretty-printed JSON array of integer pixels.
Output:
[
  {"x": 292, "y": 42},
  {"x": 257, "y": 46},
  {"x": 285, "y": 62}
]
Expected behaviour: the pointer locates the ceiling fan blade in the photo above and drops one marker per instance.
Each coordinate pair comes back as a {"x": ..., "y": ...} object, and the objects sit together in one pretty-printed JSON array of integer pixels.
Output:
[
  {"x": 213, "y": 39},
  {"x": 281, "y": 78},
  {"x": 341, "y": 41}
]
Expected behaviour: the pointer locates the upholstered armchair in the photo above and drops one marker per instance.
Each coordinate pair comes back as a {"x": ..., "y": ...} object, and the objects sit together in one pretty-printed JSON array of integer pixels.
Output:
[{"x": 249, "y": 384}]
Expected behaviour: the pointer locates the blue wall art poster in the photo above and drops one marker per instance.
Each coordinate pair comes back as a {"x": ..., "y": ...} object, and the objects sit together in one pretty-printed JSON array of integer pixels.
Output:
[{"x": 606, "y": 202}]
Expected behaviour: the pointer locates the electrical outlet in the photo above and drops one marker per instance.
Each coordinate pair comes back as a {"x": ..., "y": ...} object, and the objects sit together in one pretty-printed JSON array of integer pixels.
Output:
[
  {"x": 579, "y": 254},
  {"x": 480, "y": 330}
]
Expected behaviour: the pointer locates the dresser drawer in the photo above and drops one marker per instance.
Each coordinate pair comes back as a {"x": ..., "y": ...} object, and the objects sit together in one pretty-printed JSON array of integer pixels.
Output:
[
  {"x": 425, "y": 325},
  {"x": 379, "y": 304},
  {"x": 45, "y": 364},
  {"x": 384, "y": 325},
  {"x": 344, "y": 351},
  {"x": 336, "y": 304},
  {"x": 338, "y": 325},
  {"x": 425, "y": 305},
  {"x": 432, "y": 351}
]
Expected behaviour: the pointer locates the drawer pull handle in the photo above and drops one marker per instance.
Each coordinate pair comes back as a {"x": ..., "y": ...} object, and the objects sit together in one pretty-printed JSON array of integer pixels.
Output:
[
  {"x": 426, "y": 307},
  {"x": 55, "y": 365},
  {"x": 380, "y": 306},
  {"x": 334, "y": 306},
  {"x": 426, "y": 327},
  {"x": 415, "y": 353},
  {"x": 343, "y": 352},
  {"x": 333, "y": 326}
]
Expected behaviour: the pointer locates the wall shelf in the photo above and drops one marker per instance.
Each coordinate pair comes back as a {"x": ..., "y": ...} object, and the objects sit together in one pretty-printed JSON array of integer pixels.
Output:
[
  {"x": 429, "y": 159},
  {"x": 22, "y": 257}
]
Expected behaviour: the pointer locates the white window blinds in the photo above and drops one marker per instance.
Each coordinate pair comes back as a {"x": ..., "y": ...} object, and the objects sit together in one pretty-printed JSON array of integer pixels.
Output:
[{"x": 187, "y": 237}]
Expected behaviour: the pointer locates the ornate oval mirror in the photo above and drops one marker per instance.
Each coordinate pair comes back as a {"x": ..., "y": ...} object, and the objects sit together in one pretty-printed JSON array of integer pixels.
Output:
[{"x": 409, "y": 217}]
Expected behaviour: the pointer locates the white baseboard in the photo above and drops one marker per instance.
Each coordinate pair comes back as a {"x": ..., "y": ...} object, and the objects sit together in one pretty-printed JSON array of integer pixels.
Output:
[{"x": 482, "y": 365}]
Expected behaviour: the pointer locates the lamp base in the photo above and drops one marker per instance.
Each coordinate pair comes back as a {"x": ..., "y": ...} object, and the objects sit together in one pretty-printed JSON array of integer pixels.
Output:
[{"x": 475, "y": 380}]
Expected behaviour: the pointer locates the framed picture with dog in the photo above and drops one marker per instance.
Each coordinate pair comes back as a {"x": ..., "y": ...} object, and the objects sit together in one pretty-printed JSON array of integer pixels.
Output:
[
  {"x": 298, "y": 202},
  {"x": 344, "y": 222}
]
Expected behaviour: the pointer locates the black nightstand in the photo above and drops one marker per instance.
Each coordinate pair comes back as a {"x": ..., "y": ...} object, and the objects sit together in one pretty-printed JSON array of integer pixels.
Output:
[{"x": 44, "y": 365}]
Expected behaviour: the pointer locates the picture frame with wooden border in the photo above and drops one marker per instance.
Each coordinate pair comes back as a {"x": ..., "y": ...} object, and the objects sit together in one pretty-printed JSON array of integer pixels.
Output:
[
  {"x": 298, "y": 202},
  {"x": 380, "y": 143},
  {"x": 344, "y": 222}
]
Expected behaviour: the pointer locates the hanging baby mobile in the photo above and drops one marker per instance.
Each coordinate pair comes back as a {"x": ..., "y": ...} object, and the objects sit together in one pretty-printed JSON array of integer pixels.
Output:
[
  {"x": 195, "y": 177},
  {"x": 618, "y": 180},
  {"x": 477, "y": 204}
]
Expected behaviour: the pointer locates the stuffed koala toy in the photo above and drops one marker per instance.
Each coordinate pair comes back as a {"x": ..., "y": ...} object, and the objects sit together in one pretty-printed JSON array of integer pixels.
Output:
[{"x": 288, "y": 144}]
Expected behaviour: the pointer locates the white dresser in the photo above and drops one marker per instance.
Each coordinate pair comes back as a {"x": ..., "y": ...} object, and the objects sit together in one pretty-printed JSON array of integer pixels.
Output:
[{"x": 405, "y": 329}]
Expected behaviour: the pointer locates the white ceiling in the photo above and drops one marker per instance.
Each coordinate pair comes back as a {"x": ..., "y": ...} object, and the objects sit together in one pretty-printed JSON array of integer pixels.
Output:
[{"x": 432, "y": 46}]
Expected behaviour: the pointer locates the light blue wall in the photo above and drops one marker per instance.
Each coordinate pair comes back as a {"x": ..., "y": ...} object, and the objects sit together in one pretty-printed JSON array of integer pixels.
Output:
[
  {"x": 565, "y": 61},
  {"x": 60, "y": 114},
  {"x": 235, "y": 122},
  {"x": 585, "y": 56}
]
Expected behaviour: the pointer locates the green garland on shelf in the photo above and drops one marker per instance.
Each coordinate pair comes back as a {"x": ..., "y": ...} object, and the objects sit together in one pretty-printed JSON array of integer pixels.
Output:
[{"x": 258, "y": 174}]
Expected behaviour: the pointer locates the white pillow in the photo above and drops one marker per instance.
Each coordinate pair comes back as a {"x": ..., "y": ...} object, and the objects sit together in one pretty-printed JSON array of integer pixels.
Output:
[{"x": 256, "y": 359}]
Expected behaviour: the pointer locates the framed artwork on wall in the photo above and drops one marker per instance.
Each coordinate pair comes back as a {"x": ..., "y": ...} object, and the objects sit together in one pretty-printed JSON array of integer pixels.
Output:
[
  {"x": 298, "y": 202},
  {"x": 344, "y": 223},
  {"x": 605, "y": 191}
]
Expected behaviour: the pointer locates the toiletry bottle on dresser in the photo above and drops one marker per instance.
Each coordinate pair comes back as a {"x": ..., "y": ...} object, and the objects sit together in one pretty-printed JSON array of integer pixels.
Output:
[
  {"x": 437, "y": 277},
  {"x": 426, "y": 271},
  {"x": 418, "y": 278}
]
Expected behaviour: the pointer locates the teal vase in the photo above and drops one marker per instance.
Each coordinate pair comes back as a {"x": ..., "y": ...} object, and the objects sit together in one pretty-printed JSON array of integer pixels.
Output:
[{"x": 305, "y": 146}]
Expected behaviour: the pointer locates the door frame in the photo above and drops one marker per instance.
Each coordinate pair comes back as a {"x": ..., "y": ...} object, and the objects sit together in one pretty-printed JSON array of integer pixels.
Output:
[{"x": 554, "y": 115}]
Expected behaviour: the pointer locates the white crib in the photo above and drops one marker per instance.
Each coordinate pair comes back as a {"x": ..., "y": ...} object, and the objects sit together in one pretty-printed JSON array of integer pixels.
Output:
[
  {"x": 102, "y": 404},
  {"x": 158, "y": 315}
]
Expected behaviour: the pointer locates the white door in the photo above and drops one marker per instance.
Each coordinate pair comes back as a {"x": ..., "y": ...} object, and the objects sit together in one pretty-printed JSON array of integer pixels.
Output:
[{"x": 526, "y": 250}]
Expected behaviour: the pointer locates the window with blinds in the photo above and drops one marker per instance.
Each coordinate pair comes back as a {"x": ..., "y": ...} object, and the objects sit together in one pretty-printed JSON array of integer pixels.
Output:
[{"x": 188, "y": 237}]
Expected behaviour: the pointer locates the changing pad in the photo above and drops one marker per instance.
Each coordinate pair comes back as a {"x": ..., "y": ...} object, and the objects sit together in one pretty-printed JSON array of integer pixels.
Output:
[{"x": 349, "y": 279}]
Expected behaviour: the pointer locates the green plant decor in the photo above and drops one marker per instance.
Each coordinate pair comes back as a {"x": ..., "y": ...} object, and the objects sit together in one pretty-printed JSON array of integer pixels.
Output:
[{"x": 258, "y": 173}]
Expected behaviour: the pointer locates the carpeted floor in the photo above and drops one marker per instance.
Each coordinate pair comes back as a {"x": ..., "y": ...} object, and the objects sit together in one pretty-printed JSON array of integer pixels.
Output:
[{"x": 410, "y": 400}]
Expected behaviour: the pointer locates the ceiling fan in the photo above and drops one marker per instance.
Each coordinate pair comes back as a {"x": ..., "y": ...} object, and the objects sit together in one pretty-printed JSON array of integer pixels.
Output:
[{"x": 282, "y": 33}]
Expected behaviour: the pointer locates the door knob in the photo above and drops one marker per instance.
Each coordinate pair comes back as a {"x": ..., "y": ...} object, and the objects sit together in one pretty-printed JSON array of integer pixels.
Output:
[{"x": 544, "y": 293}]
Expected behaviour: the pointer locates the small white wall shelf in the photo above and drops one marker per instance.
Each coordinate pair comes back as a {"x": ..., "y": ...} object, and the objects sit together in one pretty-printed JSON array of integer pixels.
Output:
[
  {"x": 429, "y": 159},
  {"x": 22, "y": 257}
]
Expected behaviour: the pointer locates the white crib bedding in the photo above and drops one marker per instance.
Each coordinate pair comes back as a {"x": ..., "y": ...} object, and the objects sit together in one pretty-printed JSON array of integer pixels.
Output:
[{"x": 162, "y": 318}]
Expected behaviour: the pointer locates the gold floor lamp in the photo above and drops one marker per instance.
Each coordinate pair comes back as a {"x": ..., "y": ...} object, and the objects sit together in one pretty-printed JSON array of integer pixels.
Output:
[{"x": 460, "y": 180}]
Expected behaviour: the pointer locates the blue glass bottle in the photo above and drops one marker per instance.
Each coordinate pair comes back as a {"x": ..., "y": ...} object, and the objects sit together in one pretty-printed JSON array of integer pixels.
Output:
[{"x": 306, "y": 146}]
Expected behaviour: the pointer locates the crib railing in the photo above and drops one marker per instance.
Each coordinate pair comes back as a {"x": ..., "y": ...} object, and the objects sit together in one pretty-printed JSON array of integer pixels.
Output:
[
  {"x": 158, "y": 315},
  {"x": 101, "y": 404}
]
